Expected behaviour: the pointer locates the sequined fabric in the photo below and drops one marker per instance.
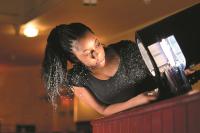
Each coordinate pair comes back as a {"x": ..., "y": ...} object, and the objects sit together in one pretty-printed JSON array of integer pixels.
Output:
[{"x": 131, "y": 78}]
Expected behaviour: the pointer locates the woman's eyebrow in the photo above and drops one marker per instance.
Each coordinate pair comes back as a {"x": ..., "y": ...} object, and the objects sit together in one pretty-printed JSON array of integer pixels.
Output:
[
  {"x": 86, "y": 50},
  {"x": 96, "y": 40}
]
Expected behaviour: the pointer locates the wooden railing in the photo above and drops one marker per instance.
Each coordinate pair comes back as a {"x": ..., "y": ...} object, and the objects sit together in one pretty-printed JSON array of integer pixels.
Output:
[
  {"x": 7, "y": 128},
  {"x": 176, "y": 115}
]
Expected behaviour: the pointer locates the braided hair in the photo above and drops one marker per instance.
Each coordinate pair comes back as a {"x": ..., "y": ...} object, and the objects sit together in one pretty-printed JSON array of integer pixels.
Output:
[{"x": 58, "y": 51}]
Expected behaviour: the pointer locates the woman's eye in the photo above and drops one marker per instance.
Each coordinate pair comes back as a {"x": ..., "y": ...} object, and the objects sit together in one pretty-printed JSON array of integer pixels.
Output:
[
  {"x": 87, "y": 53},
  {"x": 98, "y": 44}
]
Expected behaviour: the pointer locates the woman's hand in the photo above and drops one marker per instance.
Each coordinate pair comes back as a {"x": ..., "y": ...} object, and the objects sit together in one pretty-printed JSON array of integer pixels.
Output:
[
  {"x": 193, "y": 91},
  {"x": 144, "y": 98},
  {"x": 189, "y": 71}
]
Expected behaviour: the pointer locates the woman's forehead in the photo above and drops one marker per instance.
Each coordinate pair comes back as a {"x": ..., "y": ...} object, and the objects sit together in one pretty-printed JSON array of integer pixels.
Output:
[{"x": 86, "y": 42}]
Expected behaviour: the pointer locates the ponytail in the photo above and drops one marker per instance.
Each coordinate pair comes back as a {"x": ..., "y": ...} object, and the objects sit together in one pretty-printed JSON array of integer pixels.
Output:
[
  {"x": 54, "y": 73},
  {"x": 57, "y": 53}
]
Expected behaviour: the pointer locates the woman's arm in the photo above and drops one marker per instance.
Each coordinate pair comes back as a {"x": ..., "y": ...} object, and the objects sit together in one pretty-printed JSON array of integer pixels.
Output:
[
  {"x": 133, "y": 102},
  {"x": 86, "y": 97}
]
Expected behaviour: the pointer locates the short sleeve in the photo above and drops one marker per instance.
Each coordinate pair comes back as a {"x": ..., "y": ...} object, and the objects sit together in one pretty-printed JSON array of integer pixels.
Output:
[
  {"x": 77, "y": 76},
  {"x": 74, "y": 78}
]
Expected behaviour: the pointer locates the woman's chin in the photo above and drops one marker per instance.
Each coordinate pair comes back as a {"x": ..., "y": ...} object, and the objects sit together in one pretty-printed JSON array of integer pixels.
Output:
[
  {"x": 101, "y": 64},
  {"x": 98, "y": 65}
]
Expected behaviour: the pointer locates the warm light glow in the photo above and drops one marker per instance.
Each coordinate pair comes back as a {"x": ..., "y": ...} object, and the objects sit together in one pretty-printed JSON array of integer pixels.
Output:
[
  {"x": 65, "y": 101},
  {"x": 31, "y": 31},
  {"x": 90, "y": 2}
]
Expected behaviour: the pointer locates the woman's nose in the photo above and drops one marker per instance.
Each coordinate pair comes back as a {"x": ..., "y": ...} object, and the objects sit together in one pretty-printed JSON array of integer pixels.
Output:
[{"x": 95, "y": 54}]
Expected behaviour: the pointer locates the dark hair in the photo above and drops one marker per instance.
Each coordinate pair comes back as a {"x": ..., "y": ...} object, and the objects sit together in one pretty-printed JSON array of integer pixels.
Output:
[{"x": 57, "y": 53}]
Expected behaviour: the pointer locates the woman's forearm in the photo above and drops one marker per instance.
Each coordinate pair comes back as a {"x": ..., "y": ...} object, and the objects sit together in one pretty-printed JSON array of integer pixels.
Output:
[
  {"x": 133, "y": 102},
  {"x": 115, "y": 108}
]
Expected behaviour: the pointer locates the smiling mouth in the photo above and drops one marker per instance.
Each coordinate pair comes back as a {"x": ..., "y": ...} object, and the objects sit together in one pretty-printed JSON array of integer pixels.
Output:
[{"x": 99, "y": 62}]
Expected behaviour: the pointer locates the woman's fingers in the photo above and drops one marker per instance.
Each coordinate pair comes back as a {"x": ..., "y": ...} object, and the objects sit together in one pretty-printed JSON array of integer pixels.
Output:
[
  {"x": 194, "y": 91},
  {"x": 189, "y": 71},
  {"x": 144, "y": 98},
  {"x": 152, "y": 98}
]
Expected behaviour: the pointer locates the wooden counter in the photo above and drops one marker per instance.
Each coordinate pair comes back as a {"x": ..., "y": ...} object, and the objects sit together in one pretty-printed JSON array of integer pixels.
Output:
[{"x": 176, "y": 115}]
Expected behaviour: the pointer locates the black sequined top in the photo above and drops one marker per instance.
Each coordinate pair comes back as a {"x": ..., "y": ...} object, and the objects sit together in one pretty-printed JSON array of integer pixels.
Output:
[{"x": 131, "y": 78}]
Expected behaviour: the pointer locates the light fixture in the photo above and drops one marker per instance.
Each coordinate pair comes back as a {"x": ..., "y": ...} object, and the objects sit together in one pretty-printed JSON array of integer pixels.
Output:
[
  {"x": 90, "y": 2},
  {"x": 147, "y": 2},
  {"x": 31, "y": 31}
]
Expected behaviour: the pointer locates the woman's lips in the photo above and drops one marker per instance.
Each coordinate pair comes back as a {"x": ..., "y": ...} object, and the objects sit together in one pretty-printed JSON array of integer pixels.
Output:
[{"x": 100, "y": 62}]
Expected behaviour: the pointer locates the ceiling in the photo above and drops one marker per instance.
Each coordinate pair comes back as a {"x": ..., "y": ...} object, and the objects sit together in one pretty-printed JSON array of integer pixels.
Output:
[{"x": 108, "y": 19}]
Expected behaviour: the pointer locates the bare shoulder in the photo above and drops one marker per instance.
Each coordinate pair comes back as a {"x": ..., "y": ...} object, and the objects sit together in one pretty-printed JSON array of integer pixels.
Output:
[
  {"x": 82, "y": 93},
  {"x": 85, "y": 96},
  {"x": 78, "y": 90}
]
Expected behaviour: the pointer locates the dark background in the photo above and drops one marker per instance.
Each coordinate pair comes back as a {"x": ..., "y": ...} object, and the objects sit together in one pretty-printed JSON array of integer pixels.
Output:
[{"x": 184, "y": 25}]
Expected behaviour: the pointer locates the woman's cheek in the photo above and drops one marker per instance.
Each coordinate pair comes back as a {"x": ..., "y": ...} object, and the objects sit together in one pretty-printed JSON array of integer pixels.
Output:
[{"x": 91, "y": 62}]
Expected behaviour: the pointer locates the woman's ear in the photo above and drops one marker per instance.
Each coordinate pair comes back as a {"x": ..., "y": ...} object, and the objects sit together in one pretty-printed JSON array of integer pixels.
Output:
[
  {"x": 69, "y": 65},
  {"x": 103, "y": 45}
]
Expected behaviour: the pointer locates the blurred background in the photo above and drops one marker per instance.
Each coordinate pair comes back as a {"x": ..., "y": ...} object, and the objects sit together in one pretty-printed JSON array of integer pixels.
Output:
[{"x": 24, "y": 106}]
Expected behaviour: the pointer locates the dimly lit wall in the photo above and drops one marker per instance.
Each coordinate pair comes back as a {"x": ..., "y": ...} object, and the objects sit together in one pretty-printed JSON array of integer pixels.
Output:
[{"x": 23, "y": 101}]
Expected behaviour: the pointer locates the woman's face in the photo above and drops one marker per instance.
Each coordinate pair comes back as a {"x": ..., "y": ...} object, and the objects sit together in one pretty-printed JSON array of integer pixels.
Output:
[{"x": 89, "y": 51}]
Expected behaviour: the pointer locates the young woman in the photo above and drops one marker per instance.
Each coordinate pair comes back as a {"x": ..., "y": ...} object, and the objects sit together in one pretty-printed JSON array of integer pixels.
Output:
[{"x": 109, "y": 79}]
